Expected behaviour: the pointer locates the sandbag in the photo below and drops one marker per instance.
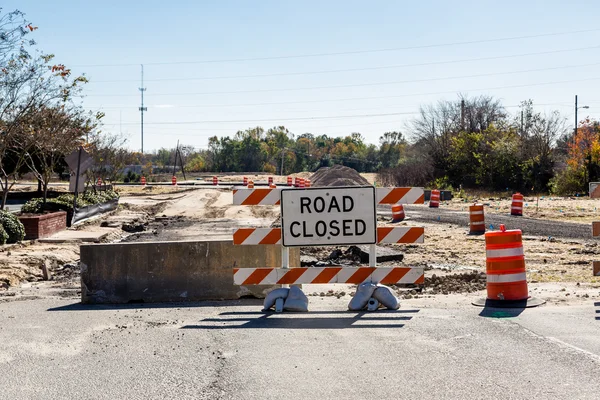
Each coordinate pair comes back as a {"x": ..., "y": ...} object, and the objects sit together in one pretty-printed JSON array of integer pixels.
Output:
[
  {"x": 385, "y": 296},
  {"x": 296, "y": 300},
  {"x": 364, "y": 292},
  {"x": 273, "y": 296},
  {"x": 372, "y": 304}
]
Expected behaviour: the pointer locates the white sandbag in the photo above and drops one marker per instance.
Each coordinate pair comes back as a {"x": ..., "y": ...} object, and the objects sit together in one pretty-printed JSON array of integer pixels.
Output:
[
  {"x": 364, "y": 292},
  {"x": 273, "y": 296},
  {"x": 296, "y": 300},
  {"x": 385, "y": 296},
  {"x": 372, "y": 304}
]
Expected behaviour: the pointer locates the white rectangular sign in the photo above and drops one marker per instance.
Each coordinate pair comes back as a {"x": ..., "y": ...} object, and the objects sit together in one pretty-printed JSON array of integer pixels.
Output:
[{"x": 328, "y": 216}]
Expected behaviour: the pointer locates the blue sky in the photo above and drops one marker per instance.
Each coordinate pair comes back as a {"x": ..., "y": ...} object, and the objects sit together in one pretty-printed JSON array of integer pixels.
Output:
[{"x": 188, "y": 48}]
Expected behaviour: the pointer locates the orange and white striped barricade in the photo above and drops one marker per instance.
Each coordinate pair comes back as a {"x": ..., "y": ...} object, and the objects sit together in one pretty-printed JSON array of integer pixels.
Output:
[
  {"x": 476, "y": 219},
  {"x": 273, "y": 236},
  {"x": 143, "y": 181},
  {"x": 245, "y": 181},
  {"x": 434, "y": 199},
  {"x": 289, "y": 181},
  {"x": 264, "y": 197},
  {"x": 398, "y": 213},
  {"x": 505, "y": 269},
  {"x": 215, "y": 181},
  {"x": 596, "y": 233},
  {"x": 516, "y": 207},
  {"x": 385, "y": 234},
  {"x": 327, "y": 275},
  {"x": 174, "y": 180},
  {"x": 250, "y": 184}
]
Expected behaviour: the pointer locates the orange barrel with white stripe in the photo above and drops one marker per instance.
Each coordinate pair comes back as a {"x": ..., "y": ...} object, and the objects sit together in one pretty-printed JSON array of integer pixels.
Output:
[
  {"x": 301, "y": 182},
  {"x": 270, "y": 180},
  {"x": 250, "y": 184},
  {"x": 174, "y": 180},
  {"x": 307, "y": 183},
  {"x": 289, "y": 181},
  {"x": 296, "y": 182},
  {"x": 397, "y": 213},
  {"x": 434, "y": 199},
  {"x": 476, "y": 219},
  {"x": 505, "y": 265},
  {"x": 215, "y": 181},
  {"x": 516, "y": 208},
  {"x": 245, "y": 183},
  {"x": 143, "y": 181},
  {"x": 99, "y": 182}
]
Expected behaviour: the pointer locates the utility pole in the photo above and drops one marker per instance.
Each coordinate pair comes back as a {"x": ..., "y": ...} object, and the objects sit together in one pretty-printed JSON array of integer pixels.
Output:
[
  {"x": 462, "y": 115},
  {"x": 282, "y": 154},
  {"x": 142, "y": 108},
  {"x": 522, "y": 131},
  {"x": 575, "y": 131}
]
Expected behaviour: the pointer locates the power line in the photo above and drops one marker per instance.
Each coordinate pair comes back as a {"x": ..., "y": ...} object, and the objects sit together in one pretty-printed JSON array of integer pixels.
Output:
[
  {"x": 267, "y": 119},
  {"x": 359, "y": 84},
  {"x": 347, "y": 52},
  {"x": 352, "y": 69},
  {"x": 398, "y": 96}
]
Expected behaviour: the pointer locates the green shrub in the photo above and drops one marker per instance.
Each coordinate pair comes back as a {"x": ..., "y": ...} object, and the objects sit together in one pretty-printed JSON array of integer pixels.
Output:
[
  {"x": 12, "y": 227},
  {"x": 3, "y": 236},
  {"x": 568, "y": 182},
  {"x": 64, "y": 202}
]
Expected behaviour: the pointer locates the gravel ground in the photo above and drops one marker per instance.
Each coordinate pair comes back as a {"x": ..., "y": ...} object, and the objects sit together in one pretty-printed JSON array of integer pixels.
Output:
[{"x": 529, "y": 226}]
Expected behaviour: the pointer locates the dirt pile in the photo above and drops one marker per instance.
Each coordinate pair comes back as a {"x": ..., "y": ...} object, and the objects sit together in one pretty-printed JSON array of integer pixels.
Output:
[{"x": 338, "y": 175}]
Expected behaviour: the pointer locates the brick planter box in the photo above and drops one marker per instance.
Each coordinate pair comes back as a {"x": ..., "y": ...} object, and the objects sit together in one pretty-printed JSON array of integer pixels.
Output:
[{"x": 43, "y": 225}]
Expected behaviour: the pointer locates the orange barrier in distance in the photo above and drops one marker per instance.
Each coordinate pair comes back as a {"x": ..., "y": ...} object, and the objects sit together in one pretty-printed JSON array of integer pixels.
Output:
[
  {"x": 434, "y": 199},
  {"x": 516, "y": 208},
  {"x": 476, "y": 219},
  {"x": 398, "y": 213},
  {"x": 174, "y": 180}
]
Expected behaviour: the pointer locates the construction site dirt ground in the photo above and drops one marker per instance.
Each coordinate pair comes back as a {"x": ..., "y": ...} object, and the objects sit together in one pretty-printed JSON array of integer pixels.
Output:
[{"x": 559, "y": 269}]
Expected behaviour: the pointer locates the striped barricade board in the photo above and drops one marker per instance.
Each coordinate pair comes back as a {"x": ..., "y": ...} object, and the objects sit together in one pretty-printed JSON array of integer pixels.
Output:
[
  {"x": 271, "y": 197},
  {"x": 596, "y": 233},
  {"x": 385, "y": 234},
  {"x": 323, "y": 275}
]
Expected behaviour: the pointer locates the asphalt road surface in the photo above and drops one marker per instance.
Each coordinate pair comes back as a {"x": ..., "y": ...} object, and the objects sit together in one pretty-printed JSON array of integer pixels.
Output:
[
  {"x": 439, "y": 349},
  {"x": 529, "y": 226}
]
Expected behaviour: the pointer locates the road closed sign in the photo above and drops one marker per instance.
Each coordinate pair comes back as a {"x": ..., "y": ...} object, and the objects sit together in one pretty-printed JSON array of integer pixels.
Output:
[{"x": 330, "y": 216}]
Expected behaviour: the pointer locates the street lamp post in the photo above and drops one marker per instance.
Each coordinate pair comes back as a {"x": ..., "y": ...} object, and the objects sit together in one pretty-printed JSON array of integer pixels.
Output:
[{"x": 588, "y": 160}]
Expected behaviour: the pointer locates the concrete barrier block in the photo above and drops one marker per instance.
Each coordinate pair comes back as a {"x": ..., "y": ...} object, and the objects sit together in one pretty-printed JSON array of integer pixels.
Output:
[{"x": 172, "y": 271}]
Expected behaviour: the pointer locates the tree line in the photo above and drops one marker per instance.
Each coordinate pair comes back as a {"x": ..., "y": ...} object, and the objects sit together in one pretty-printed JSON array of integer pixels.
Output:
[{"x": 472, "y": 142}]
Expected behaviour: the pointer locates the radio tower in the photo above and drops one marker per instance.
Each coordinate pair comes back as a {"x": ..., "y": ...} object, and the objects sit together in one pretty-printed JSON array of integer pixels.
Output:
[{"x": 142, "y": 108}]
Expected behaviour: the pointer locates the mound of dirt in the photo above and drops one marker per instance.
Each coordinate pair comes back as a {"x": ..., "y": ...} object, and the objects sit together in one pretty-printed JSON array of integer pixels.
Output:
[{"x": 338, "y": 175}]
